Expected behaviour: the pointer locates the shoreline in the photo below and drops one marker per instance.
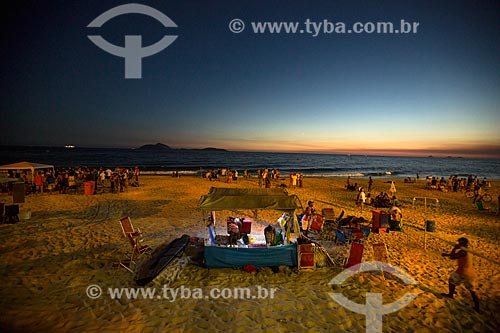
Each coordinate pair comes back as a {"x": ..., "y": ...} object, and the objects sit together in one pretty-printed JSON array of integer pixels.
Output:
[{"x": 284, "y": 177}]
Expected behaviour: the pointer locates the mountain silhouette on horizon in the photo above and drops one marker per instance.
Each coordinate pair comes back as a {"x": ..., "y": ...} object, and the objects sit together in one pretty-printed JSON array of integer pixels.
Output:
[{"x": 164, "y": 147}]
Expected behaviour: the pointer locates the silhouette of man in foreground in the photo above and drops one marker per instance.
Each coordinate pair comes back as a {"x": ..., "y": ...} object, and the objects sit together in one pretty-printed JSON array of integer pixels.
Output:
[{"x": 465, "y": 273}]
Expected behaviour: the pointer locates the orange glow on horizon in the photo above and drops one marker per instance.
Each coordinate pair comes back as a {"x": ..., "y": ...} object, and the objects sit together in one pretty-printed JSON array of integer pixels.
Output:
[
  {"x": 323, "y": 146},
  {"x": 455, "y": 153}
]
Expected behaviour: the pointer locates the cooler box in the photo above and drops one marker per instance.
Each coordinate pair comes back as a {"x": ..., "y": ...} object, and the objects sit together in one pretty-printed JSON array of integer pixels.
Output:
[
  {"x": 380, "y": 220},
  {"x": 11, "y": 213},
  {"x": 88, "y": 188},
  {"x": 317, "y": 223},
  {"x": 246, "y": 226}
]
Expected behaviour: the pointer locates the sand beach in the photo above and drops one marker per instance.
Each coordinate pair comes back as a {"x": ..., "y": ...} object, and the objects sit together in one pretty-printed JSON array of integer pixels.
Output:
[{"x": 71, "y": 241}]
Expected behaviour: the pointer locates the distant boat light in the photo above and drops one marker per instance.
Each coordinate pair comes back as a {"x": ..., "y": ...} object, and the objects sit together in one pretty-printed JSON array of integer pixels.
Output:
[{"x": 69, "y": 146}]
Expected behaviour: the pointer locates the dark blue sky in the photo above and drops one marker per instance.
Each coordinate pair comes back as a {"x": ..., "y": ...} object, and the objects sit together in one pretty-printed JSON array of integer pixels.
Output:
[{"x": 438, "y": 89}]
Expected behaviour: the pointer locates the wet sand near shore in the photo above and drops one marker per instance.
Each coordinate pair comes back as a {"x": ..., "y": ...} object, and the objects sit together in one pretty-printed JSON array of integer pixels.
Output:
[{"x": 71, "y": 241}]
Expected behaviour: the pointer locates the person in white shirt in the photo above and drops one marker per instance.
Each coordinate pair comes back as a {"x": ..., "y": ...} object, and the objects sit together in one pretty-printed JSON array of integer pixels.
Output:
[
  {"x": 108, "y": 176},
  {"x": 396, "y": 213},
  {"x": 102, "y": 177},
  {"x": 361, "y": 198}
]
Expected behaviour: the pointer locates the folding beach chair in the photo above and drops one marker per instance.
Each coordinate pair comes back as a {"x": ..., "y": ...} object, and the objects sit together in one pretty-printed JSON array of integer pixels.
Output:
[
  {"x": 366, "y": 231},
  {"x": 341, "y": 216},
  {"x": 135, "y": 239},
  {"x": 340, "y": 237},
  {"x": 342, "y": 247},
  {"x": 355, "y": 254},
  {"x": 328, "y": 215},
  {"x": 306, "y": 257},
  {"x": 380, "y": 252},
  {"x": 317, "y": 223}
]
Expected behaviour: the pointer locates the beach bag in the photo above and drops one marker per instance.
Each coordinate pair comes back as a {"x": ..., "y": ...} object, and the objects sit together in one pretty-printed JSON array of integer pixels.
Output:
[
  {"x": 279, "y": 238},
  {"x": 395, "y": 225}
]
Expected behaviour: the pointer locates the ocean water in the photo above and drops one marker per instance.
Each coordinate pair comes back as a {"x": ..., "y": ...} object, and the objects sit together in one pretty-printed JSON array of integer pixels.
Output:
[{"x": 192, "y": 161}]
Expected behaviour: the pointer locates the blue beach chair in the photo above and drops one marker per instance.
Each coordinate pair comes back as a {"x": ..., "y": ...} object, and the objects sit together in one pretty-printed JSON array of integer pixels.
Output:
[
  {"x": 340, "y": 237},
  {"x": 366, "y": 231}
]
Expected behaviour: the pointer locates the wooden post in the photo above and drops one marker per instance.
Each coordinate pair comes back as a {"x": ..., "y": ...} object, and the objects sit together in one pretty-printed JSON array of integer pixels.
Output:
[{"x": 425, "y": 235}]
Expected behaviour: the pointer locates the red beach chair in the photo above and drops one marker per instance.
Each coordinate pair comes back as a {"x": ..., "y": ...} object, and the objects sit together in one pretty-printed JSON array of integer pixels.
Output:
[
  {"x": 355, "y": 255},
  {"x": 380, "y": 252},
  {"x": 135, "y": 239},
  {"x": 317, "y": 223},
  {"x": 306, "y": 257}
]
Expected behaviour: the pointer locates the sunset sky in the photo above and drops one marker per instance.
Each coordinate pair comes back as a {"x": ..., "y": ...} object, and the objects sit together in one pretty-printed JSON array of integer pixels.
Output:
[{"x": 433, "y": 92}]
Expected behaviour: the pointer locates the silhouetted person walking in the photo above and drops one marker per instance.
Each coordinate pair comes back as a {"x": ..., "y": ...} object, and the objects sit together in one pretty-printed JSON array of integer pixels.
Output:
[{"x": 465, "y": 273}]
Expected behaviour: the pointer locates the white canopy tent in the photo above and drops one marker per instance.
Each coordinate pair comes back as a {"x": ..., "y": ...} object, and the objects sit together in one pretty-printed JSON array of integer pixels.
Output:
[{"x": 27, "y": 166}]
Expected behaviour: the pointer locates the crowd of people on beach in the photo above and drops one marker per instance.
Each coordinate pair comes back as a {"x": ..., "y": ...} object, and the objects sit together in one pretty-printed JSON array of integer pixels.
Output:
[
  {"x": 116, "y": 180},
  {"x": 63, "y": 180},
  {"x": 382, "y": 200},
  {"x": 455, "y": 184},
  {"x": 224, "y": 174},
  {"x": 265, "y": 177}
]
